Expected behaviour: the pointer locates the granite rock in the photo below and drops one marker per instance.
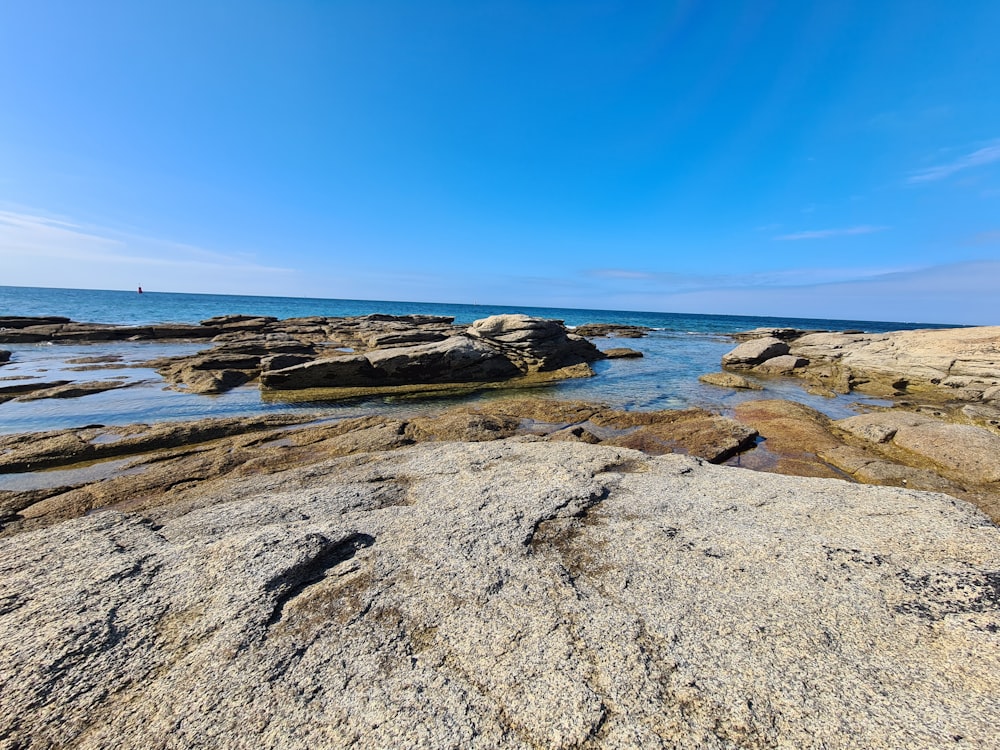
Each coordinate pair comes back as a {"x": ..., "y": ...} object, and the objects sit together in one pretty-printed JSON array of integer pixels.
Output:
[
  {"x": 508, "y": 594},
  {"x": 754, "y": 352}
]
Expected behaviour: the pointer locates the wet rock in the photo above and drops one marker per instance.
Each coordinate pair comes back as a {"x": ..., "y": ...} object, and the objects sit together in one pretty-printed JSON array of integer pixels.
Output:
[
  {"x": 576, "y": 434},
  {"x": 75, "y": 390},
  {"x": 794, "y": 437},
  {"x": 492, "y": 350},
  {"x": 21, "y": 389},
  {"x": 730, "y": 380},
  {"x": 18, "y": 322},
  {"x": 754, "y": 352},
  {"x": 508, "y": 594},
  {"x": 620, "y": 352},
  {"x": 254, "y": 322},
  {"x": 615, "y": 330},
  {"x": 691, "y": 431},
  {"x": 46, "y": 450},
  {"x": 4, "y": 356}
]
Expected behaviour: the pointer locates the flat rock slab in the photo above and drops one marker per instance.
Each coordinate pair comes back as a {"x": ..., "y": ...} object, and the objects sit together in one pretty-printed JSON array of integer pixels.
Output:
[
  {"x": 509, "y": 594},
  {"x": 730, "y": 380},
  {"x": 960, "y": 450}
]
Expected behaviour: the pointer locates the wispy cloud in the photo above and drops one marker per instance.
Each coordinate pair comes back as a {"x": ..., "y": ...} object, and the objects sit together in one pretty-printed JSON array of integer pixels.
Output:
[
  {"x": 674, "y": 282},
  {"x": 621, "y": 273},
  {"x": 977, "y": 158},
  {"x": 29, "y": 237},
  {"x": 948, "y": 293},
  {"x": 822, "y": 234}
]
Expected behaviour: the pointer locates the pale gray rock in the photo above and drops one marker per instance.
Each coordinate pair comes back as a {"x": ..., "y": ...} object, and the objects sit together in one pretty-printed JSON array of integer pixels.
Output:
[
  {"x": 534, "y": 344},
  {"x": 781, "y": 365},
  {"x": 508, "y": 594},
  {"x": 754, "y": 352},
  {"x": 960, "y": 358}
]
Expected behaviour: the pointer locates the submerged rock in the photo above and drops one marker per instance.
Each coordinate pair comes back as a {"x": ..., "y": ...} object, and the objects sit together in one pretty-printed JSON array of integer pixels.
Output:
[{"x": 508, "y": 594}]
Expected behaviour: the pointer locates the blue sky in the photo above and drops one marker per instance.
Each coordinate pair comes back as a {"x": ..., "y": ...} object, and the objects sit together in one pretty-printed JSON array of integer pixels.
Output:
[{"x": 831, "y": 159}]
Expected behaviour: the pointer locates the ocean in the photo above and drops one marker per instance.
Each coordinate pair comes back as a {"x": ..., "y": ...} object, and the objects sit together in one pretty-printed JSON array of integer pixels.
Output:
[{"x": 679, "y": 349}]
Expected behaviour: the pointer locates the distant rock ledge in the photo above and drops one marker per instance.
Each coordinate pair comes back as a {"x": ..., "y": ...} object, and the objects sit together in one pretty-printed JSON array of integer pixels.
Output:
[{"x": 328, "y": 358}]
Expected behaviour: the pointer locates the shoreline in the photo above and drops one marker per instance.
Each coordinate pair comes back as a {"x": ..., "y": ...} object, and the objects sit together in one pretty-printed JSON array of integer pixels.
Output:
[{"x": 765, "y": 431}]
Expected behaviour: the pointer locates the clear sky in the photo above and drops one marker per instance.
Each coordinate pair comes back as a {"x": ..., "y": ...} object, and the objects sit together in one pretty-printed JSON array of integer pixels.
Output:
[{"x": 787, "y": 157}]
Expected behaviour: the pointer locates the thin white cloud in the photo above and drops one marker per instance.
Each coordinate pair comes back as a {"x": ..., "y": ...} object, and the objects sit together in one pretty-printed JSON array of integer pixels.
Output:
[
  {"x": 978, "y": 158},
  {"x": 29, "y": 238},
  {"x": 822, "y": 234},
  {"x": 949, "y": 293},
  {"x": 672, "y": 282}
]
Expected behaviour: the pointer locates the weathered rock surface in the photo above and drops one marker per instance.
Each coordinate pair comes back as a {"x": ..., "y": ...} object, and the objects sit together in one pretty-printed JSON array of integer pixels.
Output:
[
  {"x": 932, "y": 454},
  {"x": 534, "y": 344},
  {"x": 691, "y": 431},
  {"x": 46, "y": 450},
  {"x": 166, "y": 463},
  {"x": 960, "y": 364},
  {"x": 794, "y": 437},
  {"x": 491, "y": 350},
  {"x": 730, "y": 380},
  {"x": 963, "y": 452},
  {"x": 754, "y": 352},
  {"x": 781, "y": 365},
  {"x": 508, "y": 594}
]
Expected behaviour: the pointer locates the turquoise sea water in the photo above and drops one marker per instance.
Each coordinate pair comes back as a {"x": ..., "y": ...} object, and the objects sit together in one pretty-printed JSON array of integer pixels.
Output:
[{"x": 681, "y": 348}]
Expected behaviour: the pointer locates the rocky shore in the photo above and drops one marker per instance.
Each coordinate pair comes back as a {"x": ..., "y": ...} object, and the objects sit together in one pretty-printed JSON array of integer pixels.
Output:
[
  {"x": 328, "y": 358},
  {"x": 521, "y": 572}
]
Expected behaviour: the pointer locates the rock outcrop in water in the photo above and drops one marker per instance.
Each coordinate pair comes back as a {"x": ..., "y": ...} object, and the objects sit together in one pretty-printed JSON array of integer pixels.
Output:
[
  {"x": 507, "y": 594},
  {"x": 958, "y": 364},
  {"x": 942, "y": 432},
  {"x": 364, "y": 354}
]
